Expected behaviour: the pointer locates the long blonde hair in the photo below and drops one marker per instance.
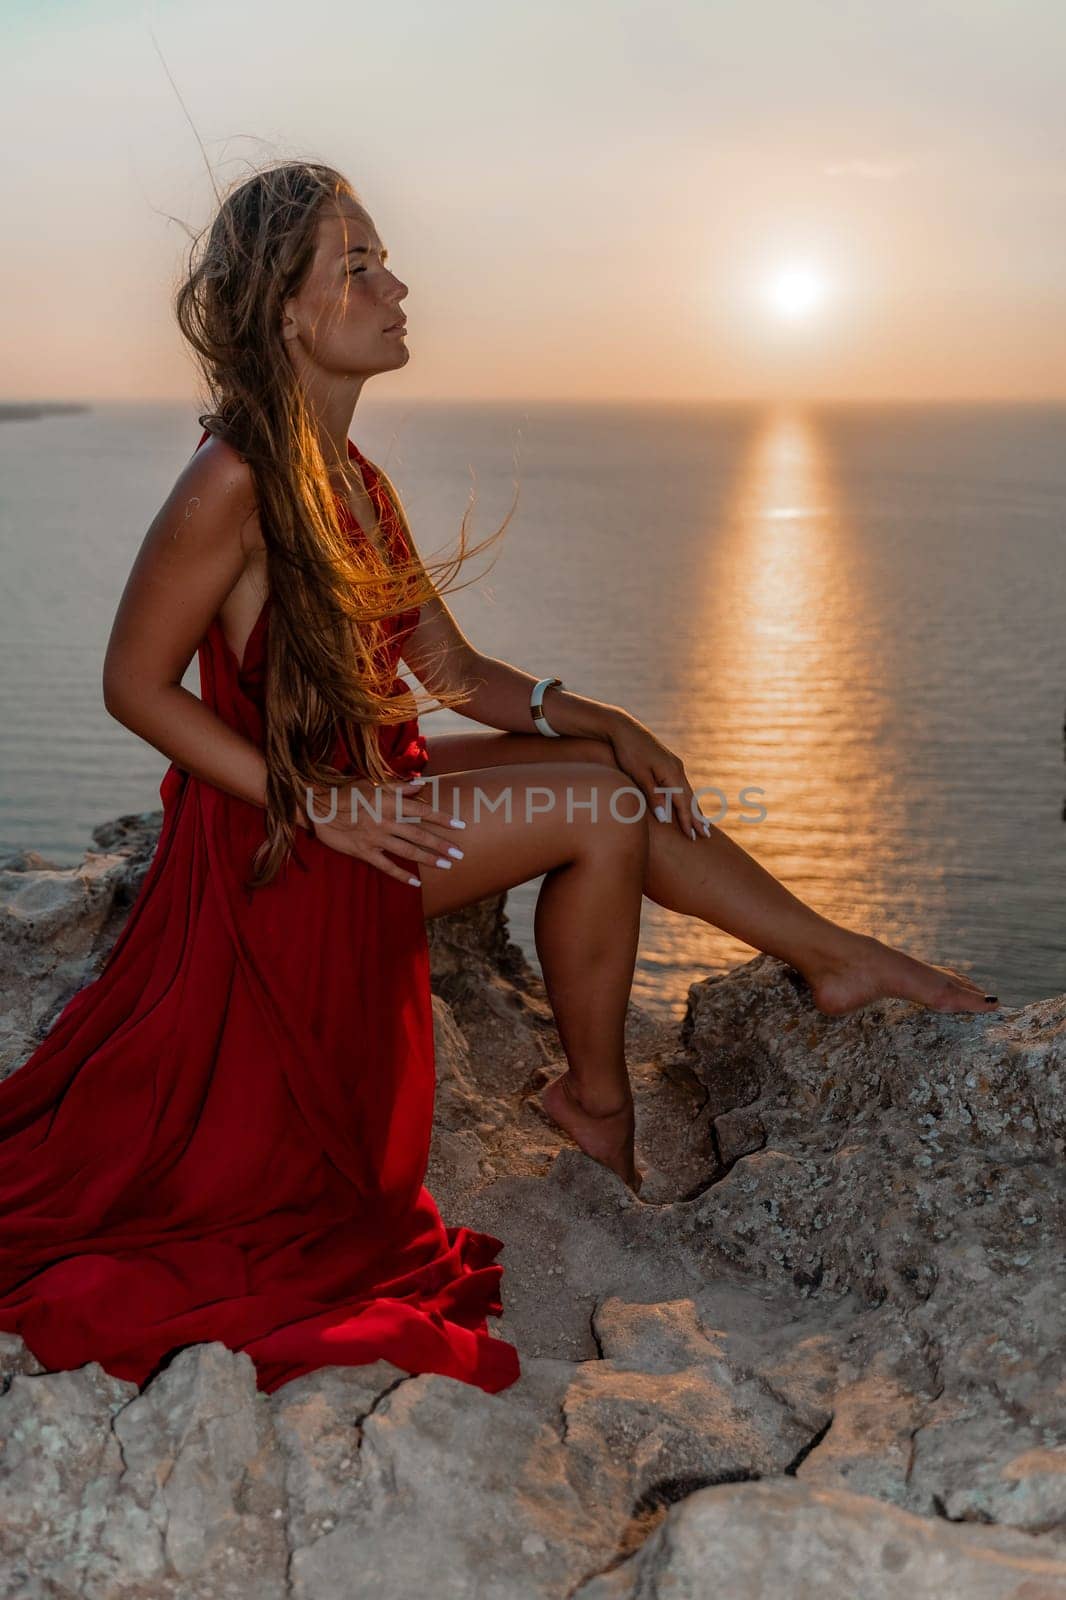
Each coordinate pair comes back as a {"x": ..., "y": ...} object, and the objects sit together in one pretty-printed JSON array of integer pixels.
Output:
[{"x": 327, "y": 662}]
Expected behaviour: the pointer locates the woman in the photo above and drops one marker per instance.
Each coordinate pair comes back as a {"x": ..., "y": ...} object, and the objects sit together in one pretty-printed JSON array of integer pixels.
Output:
[{"x": 225, "y": 1135}]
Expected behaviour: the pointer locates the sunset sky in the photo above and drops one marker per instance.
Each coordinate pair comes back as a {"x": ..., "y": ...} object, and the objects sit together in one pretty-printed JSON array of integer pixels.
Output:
[{"x": 588, "y": 199}]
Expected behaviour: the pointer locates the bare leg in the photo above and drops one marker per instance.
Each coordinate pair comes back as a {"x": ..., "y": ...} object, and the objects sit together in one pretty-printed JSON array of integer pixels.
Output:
[
  {"x": 715, "y": 879},
  {"x": 586, "y": 925}
]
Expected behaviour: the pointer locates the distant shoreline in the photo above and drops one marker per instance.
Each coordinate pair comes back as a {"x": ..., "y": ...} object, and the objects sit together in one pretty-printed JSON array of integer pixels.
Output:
[{"x": 26, "y": 411}]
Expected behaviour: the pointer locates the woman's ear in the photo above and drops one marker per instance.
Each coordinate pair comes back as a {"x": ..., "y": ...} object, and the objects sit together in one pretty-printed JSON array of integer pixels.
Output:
[{"x": 289, "y": 325}]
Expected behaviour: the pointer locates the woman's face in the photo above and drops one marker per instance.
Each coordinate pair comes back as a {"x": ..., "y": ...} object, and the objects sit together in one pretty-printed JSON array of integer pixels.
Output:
[{"x": 338, "y": 318}]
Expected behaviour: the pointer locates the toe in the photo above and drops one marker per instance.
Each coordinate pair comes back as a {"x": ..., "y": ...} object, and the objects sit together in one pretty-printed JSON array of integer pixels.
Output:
[
  {"x": 965, "y": 983},
  {"x": 960, "y": 978},
  {"x": 960, "y": 997},
  {"x": 971, "y": 985},
  {"x": 951, "y": 996}
]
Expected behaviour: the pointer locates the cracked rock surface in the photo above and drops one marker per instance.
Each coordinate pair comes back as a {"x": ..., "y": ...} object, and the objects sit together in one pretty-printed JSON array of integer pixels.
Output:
[{"x": 821, "y": 1355}]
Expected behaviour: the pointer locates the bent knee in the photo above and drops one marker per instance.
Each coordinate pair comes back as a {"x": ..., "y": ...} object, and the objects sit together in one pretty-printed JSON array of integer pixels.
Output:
[
  {"x": 595, "y": 800},
  {"x": 607, "y": 804}
]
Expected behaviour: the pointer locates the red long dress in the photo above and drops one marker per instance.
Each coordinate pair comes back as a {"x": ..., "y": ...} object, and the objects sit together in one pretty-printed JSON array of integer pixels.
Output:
[{"x": 224, "y": 1136}]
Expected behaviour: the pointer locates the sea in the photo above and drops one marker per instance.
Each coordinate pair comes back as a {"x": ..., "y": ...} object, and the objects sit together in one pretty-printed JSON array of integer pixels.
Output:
[{"x": 848, "y": 621}]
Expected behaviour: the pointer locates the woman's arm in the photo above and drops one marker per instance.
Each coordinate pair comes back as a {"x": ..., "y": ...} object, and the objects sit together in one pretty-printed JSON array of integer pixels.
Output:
[
  {"x": 440, "y": 655},
  {"x": 501, "y": 694},
  {"x": 192, "y": 555}
]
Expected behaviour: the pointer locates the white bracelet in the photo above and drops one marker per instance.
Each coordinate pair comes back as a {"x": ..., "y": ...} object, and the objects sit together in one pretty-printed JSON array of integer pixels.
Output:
[{"x": 539, "y": 719}]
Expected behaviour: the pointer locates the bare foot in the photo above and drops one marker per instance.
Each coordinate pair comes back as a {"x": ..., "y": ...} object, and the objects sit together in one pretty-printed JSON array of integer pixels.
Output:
[
  {"x": 605, "y": 1136},
  {"x": 865, "y": 969}
]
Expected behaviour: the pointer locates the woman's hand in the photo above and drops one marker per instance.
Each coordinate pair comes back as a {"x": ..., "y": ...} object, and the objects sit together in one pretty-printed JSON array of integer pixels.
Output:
[
  {"x": 655, "y": 769},
  {"x": 384, "y": 823}
]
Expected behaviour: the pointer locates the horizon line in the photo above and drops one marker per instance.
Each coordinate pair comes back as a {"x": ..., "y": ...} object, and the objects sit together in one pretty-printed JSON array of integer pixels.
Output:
[{"x": 615, "y": 401}]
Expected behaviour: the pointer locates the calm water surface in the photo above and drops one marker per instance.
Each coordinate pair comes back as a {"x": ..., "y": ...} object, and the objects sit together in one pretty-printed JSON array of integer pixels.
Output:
[{"x": 847, "y": 621}]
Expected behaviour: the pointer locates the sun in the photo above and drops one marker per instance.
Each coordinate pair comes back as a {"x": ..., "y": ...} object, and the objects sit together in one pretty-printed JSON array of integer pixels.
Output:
[{"x": 795, "y": 291}]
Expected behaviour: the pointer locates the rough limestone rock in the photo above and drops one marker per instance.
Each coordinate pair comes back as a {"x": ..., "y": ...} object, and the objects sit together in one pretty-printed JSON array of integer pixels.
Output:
[
  {"x": 750, "y": 1540},
  {"x": 821, "y": 1355}
]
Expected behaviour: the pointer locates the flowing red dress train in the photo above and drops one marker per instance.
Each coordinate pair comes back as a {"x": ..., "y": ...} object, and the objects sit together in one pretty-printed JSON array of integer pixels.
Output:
[{"x": 224, "y": 1136}]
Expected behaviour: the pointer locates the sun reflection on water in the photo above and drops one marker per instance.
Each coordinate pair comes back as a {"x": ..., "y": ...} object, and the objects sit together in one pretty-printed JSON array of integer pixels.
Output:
[{"x": 785, "y": 707}]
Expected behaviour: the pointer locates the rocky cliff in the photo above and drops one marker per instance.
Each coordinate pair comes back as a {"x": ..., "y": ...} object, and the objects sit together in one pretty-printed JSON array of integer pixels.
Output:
[{"x": 821, "y": 1355}]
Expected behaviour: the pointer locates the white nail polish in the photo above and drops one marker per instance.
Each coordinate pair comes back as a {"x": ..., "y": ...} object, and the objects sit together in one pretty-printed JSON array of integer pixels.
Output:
[
  {"x": 706, "y": 828},
  {"x": 456, "y": 822},
  {"x": 454, "y": 850},
  {"x": 416, "y": 881},
  {"x": 660, "y": 812},
  {"x": 442, "y": 861}
]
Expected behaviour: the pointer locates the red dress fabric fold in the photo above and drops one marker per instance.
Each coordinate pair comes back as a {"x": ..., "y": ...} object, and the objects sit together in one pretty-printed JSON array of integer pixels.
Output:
[{"x": 224, "y": 1136}]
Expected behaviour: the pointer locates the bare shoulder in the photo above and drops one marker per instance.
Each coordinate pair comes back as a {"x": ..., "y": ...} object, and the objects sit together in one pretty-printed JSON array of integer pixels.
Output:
[
  {"x": 219, "y": 477},
  {"x": 202, "y": 545}
]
